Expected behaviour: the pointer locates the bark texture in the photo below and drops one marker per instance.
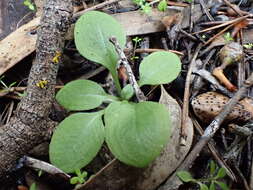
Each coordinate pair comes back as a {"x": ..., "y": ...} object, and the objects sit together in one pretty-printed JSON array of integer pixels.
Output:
[{"x": 30, "y": 123}]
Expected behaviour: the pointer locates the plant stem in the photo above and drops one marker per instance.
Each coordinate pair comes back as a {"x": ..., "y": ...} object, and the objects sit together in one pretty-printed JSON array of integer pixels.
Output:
[{"x": 123, "y": 60}]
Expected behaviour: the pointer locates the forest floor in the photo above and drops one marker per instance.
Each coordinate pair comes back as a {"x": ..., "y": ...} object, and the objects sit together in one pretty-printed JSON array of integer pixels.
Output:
[{"x": 204, "y": 83}]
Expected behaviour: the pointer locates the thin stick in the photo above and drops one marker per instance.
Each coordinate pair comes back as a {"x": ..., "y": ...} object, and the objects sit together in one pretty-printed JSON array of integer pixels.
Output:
[
  {"x": 151, "y": 50},
  {"x": 123, "y": 60},
  {"x": 223, "y": 24},
  {"x": 186, "y": 98},
  {"x": 188, "y": 35},
  {"x": 203, "y": 5},
  {"x": 191, "y": 15},
  {"x": 221, "y": 32},
  {"x": 232, "y": 7},
  {"x": 215, "y": 153},
  {"x": 215, "y": 125},
  {"x": 212, "y": 80},
  {"x": 172, "y": 3},
  {"x": 98, "y": 6},
  {"x": 44, "y": 166},
  {"x": 211, "y": 147}
]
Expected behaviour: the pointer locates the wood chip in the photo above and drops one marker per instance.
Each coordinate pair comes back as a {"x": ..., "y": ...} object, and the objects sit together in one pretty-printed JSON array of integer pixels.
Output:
[{"x": 17, "y": 45}]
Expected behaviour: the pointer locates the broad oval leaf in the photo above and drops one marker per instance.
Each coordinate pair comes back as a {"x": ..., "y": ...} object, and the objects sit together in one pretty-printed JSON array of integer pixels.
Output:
[
  {"x": 136, "y": 133},
  {"x": 76, "y": 141},
  {"x": 92, "y": 32},
  {"x": 159, "y": 68},
  {"x": 82, "y": 95}
]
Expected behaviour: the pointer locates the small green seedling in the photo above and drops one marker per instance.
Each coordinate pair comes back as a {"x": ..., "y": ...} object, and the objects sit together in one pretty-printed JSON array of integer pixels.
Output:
[
  {"x": 134, "y": 58},
  {"x": 228, "y": 38},
  {"x": 30, "y": 5},
  {"x": 248, "y": 46},
  {"x": 6, "y": 88},
  {"x": 135, "y": 133},
  {"x": 216, "y": 174},
  {"x": 162, "y": 6},
  {"x": 4, "y": 85},
  {"x": 144, "y": 6},
  {"x": 80, "y": 177},
  {"x": 136, "y": 41}
]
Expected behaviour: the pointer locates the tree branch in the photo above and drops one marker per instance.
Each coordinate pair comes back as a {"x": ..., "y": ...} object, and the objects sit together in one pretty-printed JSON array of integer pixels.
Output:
[{"x": 28, "y": 126}]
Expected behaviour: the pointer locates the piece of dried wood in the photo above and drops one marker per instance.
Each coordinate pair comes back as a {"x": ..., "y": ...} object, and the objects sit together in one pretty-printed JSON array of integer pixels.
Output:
[
  {"x": 137, "y": 23},
  {"x": 21, "y": 42},
  {"x": 18, "y": 45}
]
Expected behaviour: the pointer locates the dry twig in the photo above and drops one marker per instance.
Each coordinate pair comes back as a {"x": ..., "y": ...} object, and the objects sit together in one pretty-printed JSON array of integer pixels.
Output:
[
  {"x": 186, "y": 97},
  {"x": 215, "y": 124},
  {"x": 123, "y": 60},
  {"x": 44, "y": 166}
]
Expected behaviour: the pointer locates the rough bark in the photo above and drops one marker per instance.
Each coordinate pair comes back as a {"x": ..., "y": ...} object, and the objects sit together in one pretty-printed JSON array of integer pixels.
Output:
[{"x": 28, "y": 126}]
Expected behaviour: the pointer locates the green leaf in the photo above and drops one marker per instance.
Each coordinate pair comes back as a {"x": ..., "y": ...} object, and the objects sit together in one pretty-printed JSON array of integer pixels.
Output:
[
  {"x": 92, "y": 32},
  {"x": 222, "y": 185},
  {"x": 31, "y": 7},
  {"x": 40, "y": 173},
  {"x": 74, "y": 180},
  {"x": 29, "y": 4},
  {"x": 127, "y": 92},
  {"x": 221, "y": 173},
  {"x": 159, "y": 68},
  {"x": 76, "y": 141},
  {"x": 228, "y": 37},
  {"x": 146, "y": 8},
  {"x": 162, "y": 6},
  {"x": 212, "y": 186},
  {"x": 33, "y": 186},
  {"x": 136, "y": 39},
  {"x": 203, "y": 186},
  {"x": 82, "y": 95},
  {"x": 84, "y": 174},
  {"x": 212, "y": 168},
  {"x": 136, "y": 133},
  {"x": 78, "y": 172},
  {"x": 185, "y": 176}
]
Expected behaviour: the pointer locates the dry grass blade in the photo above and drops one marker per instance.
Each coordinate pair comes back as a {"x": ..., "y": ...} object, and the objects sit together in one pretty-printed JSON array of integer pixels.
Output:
[{"x": 224, "y": 24}]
